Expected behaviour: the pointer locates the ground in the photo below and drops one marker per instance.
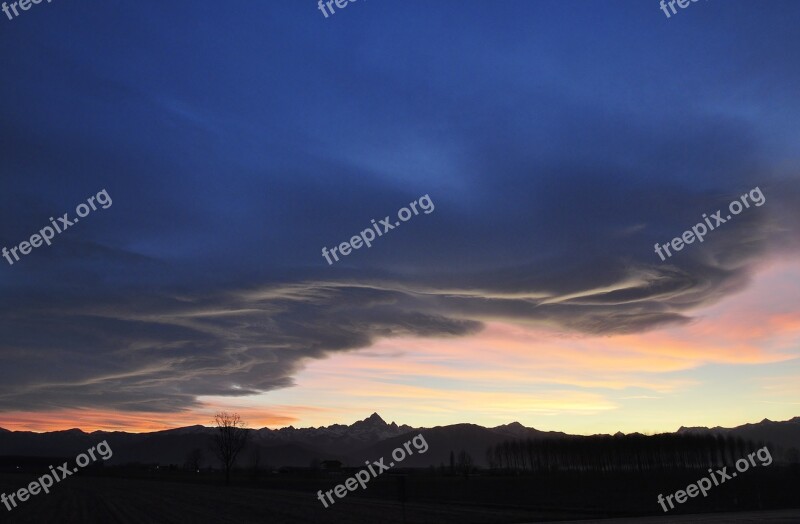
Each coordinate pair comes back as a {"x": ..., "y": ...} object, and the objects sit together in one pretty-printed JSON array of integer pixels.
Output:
[{"x": 98, "y": 500}]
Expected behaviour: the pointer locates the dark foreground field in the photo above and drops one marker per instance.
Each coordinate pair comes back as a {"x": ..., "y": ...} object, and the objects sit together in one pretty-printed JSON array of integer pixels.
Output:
[
  {"x": 109, "y": 500},
  {"x": 769, "y": 517}
]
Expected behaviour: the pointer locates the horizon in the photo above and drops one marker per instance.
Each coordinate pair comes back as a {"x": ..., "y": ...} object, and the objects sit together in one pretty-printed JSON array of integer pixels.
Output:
[
  {"x": 413, "y": 428},
  {"x": 452, "y": 213}
]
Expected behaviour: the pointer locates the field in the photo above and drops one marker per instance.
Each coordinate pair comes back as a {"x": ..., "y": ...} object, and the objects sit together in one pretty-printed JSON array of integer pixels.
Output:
[
  {"x": 109, "y": 500},
  {"x": 103, "y": 501}
]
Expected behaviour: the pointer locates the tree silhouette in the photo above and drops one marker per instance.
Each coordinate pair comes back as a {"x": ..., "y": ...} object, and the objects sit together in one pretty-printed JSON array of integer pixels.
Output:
[
  {"x": 193, "y": 459},
  {"x": 230, "y": 440},
  {"x": 618, "y": 453},
  {"x": 465, "y": 463}
]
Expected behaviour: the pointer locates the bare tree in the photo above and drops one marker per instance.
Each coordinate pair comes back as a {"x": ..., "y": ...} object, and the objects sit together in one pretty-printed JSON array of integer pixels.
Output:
[
  {"x": 193, "y": 459},
  {"x": 465, "y": 462},
  {"x": 490, "y": 457},
  {"x": 230, "y": 440}
]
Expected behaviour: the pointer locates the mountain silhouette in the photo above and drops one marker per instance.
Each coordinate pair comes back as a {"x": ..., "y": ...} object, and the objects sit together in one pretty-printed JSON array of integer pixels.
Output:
[{"x": 366, "y": 439}]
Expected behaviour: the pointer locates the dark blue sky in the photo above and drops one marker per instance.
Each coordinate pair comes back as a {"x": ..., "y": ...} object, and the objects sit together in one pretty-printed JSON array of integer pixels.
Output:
[{"x": 559, "y": 140}]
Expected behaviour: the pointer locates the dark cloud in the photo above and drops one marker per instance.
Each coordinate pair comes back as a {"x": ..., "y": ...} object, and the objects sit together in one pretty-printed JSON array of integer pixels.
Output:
[{"x": 159, "y": 353}]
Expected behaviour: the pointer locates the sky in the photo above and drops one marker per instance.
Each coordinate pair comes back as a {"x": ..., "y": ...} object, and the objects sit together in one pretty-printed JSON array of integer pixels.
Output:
[{"x": 557, "y": 142}]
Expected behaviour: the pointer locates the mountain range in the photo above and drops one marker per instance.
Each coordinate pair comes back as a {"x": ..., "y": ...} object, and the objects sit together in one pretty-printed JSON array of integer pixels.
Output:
[{"x": 367, "y": 439}]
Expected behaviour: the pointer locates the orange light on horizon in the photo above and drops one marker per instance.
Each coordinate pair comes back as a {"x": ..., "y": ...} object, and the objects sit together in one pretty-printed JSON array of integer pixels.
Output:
[{"x": 89, "y": 420}]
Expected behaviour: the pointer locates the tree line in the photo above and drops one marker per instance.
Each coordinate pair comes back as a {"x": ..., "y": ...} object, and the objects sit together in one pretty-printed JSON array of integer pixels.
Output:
[{"x": 606, "y": 453}]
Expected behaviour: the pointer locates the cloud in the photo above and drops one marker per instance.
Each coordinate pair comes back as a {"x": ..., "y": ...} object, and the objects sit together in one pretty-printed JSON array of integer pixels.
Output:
[{"x": 160, "y": 353}]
